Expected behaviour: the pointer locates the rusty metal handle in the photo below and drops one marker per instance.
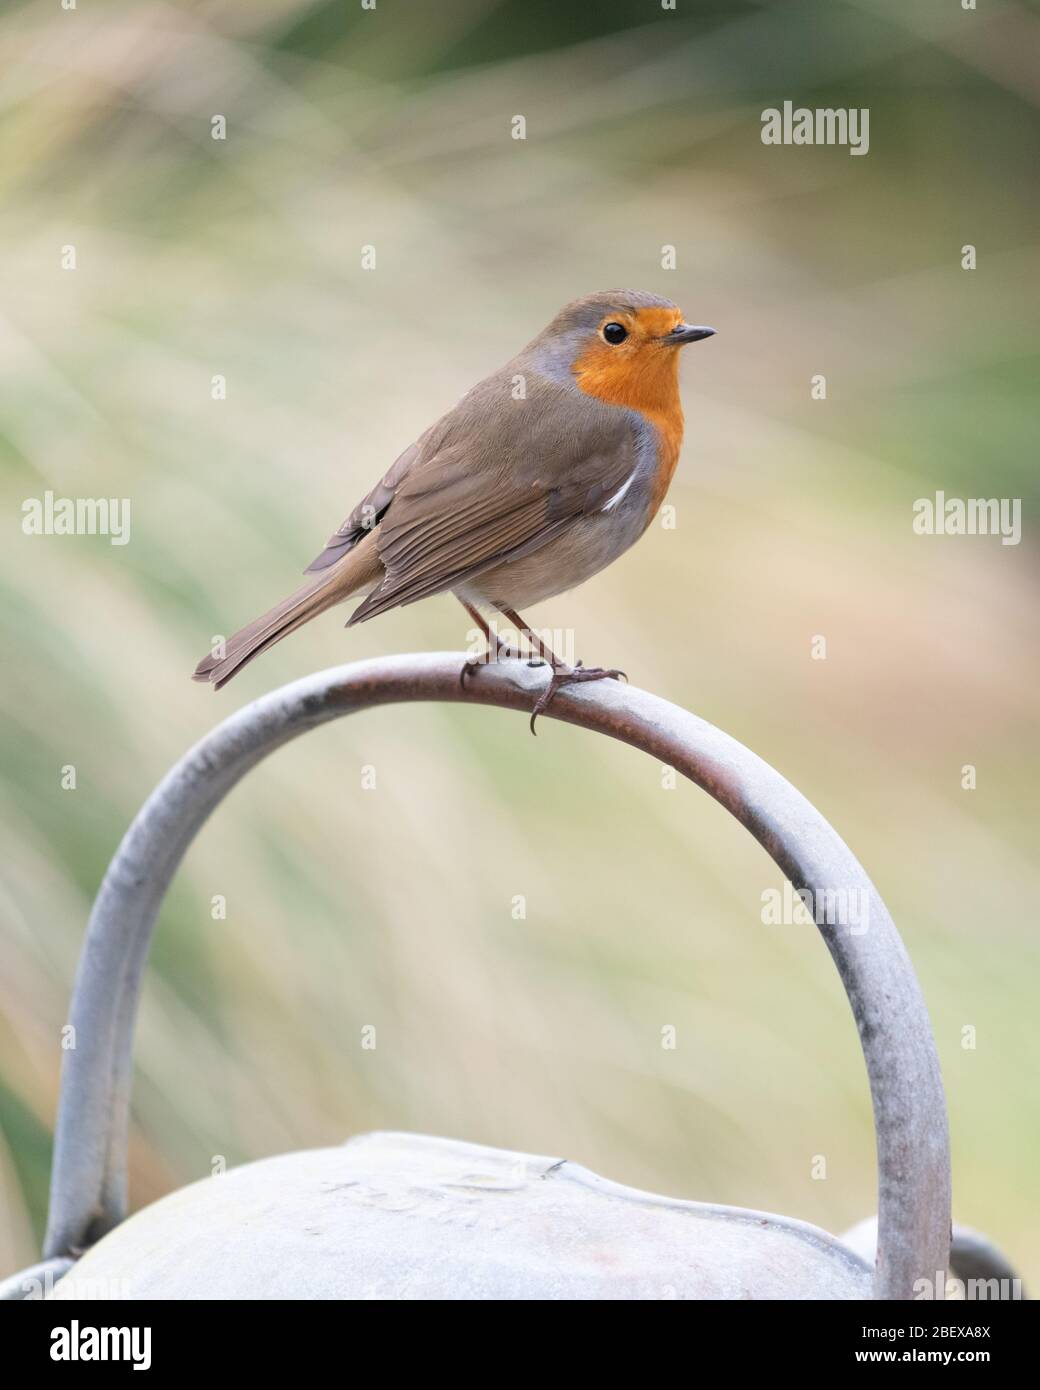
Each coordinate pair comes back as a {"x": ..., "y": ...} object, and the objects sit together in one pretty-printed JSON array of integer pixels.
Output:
[{"x": 89, "y": 1183}]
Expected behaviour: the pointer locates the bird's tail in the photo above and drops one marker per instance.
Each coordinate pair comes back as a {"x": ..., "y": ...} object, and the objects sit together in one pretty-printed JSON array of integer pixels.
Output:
[{"x": 324, "y": 591}]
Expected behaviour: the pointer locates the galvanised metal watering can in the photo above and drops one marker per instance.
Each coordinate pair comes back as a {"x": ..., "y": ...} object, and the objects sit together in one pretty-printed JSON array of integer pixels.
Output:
[{"x": 398, "y": 1216}]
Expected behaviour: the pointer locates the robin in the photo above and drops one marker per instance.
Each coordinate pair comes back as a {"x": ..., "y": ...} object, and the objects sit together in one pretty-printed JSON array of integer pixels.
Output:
[{"x": 541, "y": 475}]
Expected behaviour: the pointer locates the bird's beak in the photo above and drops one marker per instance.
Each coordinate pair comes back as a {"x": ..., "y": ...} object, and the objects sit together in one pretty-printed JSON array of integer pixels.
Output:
[{"x": 687, "y": 333}]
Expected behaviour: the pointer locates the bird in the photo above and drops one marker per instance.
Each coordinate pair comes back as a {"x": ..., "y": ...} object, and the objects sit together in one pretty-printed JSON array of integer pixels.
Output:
[{"x": 538, "y": 478}]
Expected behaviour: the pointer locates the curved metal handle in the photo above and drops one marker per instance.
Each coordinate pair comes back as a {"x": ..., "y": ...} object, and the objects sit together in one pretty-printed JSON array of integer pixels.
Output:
[{"x": 88, "y": 1183}]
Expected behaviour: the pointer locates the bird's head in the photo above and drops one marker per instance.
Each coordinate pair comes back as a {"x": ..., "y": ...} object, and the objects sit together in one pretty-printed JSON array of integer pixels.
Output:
[{"x": 621, "y": 346}]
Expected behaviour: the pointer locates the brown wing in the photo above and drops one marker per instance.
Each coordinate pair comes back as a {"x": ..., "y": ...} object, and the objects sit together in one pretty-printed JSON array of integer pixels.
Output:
[
  {"x": 368, "y": 512},
  {"x": 450, "y": 520}
]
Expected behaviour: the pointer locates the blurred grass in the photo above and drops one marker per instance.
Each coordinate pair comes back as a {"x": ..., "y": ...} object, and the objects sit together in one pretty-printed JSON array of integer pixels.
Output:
[{"x": 393, "y": 907}]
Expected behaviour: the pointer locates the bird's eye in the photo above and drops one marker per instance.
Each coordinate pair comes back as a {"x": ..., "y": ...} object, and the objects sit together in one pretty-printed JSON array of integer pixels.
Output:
[{"x": 615, "y": 333}]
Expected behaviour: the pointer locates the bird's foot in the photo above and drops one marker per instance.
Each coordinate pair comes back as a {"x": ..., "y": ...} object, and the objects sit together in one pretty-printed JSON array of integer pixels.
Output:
[
  {"x": 570, "y": 675},
  {"x": 502, "y": 652}
]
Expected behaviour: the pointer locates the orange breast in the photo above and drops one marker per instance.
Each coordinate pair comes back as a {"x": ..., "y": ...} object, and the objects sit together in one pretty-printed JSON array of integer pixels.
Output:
[
  {"x": 644, "y": 376},
  {"x": 669, "y": 430}
]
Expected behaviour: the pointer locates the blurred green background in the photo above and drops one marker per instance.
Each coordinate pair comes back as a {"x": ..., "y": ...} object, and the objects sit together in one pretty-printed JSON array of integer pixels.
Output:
[{"x": 393, "y": 907}]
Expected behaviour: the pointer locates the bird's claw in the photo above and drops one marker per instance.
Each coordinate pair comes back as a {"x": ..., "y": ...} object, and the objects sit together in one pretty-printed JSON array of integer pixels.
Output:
[
  {"x": 468, "y": 667},
  {"x": 570, "y": 675},
  {"x": 503, "y": 653}
]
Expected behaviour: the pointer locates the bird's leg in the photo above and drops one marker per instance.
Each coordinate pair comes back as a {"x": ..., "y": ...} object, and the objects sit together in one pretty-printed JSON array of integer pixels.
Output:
[
  {"x": 562, "y": 674},
  {"x": 497, "y": 649}
]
